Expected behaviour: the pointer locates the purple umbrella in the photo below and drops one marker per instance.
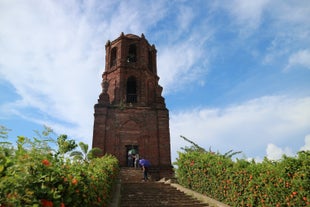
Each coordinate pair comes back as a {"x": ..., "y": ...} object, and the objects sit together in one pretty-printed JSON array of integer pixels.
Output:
[{"x": 145, "y": 163}]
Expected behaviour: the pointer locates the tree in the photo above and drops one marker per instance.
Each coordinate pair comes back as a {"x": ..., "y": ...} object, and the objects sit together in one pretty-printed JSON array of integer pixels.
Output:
[
  {"x": 65, "y": 145},
  {"x": 4, "y": 134},
  {"x": 85, "y": 154}
]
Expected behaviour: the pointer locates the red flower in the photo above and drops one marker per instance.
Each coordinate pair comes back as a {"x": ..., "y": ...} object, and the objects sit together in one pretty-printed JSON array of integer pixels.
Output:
[
  {"x": 74, "y": 181},
  {"x": 46, "y": 162},
  {"x": 46, "y": 203},
  {"x": 62, "y": 205},
  {"x": 192, "y": 163}
]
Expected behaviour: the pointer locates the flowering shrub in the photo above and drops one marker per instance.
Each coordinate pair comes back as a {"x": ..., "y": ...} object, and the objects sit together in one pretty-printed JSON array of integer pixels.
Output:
[
  {"x": 34, "y": 174},
  {"x": 246, "y": 183}
]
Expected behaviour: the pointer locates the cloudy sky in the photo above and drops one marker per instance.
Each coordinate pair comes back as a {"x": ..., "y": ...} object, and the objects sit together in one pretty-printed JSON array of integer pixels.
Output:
[{"x": 236, "y": 73}]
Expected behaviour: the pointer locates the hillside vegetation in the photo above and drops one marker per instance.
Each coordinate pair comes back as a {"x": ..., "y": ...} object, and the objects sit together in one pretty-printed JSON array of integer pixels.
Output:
[
  {"x": 245, "y": 183},
  {"x": 40, "y": 172}
]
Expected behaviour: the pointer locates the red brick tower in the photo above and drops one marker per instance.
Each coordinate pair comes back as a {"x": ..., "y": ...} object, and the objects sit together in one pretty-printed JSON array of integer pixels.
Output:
[{"x": 131, "y": 115}]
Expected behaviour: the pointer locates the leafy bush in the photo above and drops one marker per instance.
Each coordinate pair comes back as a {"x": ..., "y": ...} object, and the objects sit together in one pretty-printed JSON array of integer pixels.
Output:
[
  {"x": 33, "y": 174},
  {"x": 246, "y": 183}
]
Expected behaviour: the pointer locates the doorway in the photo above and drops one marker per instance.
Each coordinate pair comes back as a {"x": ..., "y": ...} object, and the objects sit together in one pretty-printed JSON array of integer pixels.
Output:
[{"x": 131, "y": 152}]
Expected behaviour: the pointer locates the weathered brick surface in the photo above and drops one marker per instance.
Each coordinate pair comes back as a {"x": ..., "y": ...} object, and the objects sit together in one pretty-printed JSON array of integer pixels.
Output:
[{"x": 132, "y": 113}]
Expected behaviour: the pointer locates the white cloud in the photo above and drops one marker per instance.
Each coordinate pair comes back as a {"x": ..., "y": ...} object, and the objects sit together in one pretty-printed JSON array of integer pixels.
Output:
[
  {"x": 247, "y": 127},
  {"x": 299, "y": 58},
  {"x": 176, "y": 63},
  {"x": 275, "y": 153},
  {"x": 291, "y": 12},
  {"x": 249, "y": 10},
  {"x": 287, "y": 22},
  {"x": 247, "y": 15},
  {"x": 282, "y": 27},
  {"x": 53, "y": 55},
  {"x": 307, "y": 144},
  {"x": 136, "y": 16},
  {"x": 53, "y": 58},
  {"x": 186, "y": 15}
]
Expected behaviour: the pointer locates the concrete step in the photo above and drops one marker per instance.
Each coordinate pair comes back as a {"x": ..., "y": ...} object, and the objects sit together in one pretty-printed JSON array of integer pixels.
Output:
[
  {"x": 136, "y": 193},
  {"x": 131, "y": 175}
]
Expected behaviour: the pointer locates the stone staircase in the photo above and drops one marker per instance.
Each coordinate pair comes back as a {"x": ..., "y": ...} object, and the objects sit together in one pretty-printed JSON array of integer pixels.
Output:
[{"x": 135, "y": 192}]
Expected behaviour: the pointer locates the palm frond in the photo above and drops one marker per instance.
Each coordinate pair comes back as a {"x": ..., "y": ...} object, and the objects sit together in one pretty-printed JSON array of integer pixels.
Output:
[{"x": 84, "y": 147}]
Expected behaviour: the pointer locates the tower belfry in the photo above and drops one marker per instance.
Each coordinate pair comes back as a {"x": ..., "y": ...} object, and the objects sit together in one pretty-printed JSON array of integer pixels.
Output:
[{"x": 131, "y": 116}]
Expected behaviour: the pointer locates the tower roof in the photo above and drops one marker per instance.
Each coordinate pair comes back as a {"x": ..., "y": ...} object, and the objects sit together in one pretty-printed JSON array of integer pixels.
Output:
[{"x": 132, "y": 36}]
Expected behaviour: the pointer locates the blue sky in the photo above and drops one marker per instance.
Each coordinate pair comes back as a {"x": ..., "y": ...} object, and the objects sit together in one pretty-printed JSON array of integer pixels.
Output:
[{"x": 235, "y": 73}]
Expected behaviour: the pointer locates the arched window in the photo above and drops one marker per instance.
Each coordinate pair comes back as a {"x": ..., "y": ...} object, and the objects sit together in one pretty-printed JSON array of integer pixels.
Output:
[
  {"x": 131, "y": 90},
  {"x": 132, "y": 53},
  {"x": 113, "y": 56}
]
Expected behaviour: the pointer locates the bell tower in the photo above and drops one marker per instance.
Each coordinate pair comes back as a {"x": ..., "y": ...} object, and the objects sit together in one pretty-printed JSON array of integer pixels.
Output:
[{"x": 131, "y": 116}]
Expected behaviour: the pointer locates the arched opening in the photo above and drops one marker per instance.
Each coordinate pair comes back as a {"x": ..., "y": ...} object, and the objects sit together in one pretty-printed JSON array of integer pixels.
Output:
[
  {"x": 132, "y": 53},
  {"x": 131, "y": 90},
  {"x": 132, "y": 153},
  {"x": 113, "y": 57}
]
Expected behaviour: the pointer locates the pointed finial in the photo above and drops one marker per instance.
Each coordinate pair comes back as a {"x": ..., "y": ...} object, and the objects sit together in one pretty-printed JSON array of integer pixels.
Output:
[
  {"x": 142, "y": 36},
  {"x": 122, "y": 34}
]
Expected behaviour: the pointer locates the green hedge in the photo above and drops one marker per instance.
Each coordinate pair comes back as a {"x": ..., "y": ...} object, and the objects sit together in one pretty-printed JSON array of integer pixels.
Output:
[
  {"x": 33, "y": 174},
  {"x": 246, "y": 183}
]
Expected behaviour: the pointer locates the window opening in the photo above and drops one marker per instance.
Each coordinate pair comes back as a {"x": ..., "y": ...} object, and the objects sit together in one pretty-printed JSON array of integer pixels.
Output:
[
  {"x": 131, "y": 90},
  {"x": 132, "y": 53},
  {"x": 113, "y": 57}
]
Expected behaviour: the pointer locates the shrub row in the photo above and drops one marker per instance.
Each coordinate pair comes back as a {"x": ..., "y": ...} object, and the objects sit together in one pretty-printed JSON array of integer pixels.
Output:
[
  {"x": 246, "y": 183},
  {"x": 33, "y": 174}
]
